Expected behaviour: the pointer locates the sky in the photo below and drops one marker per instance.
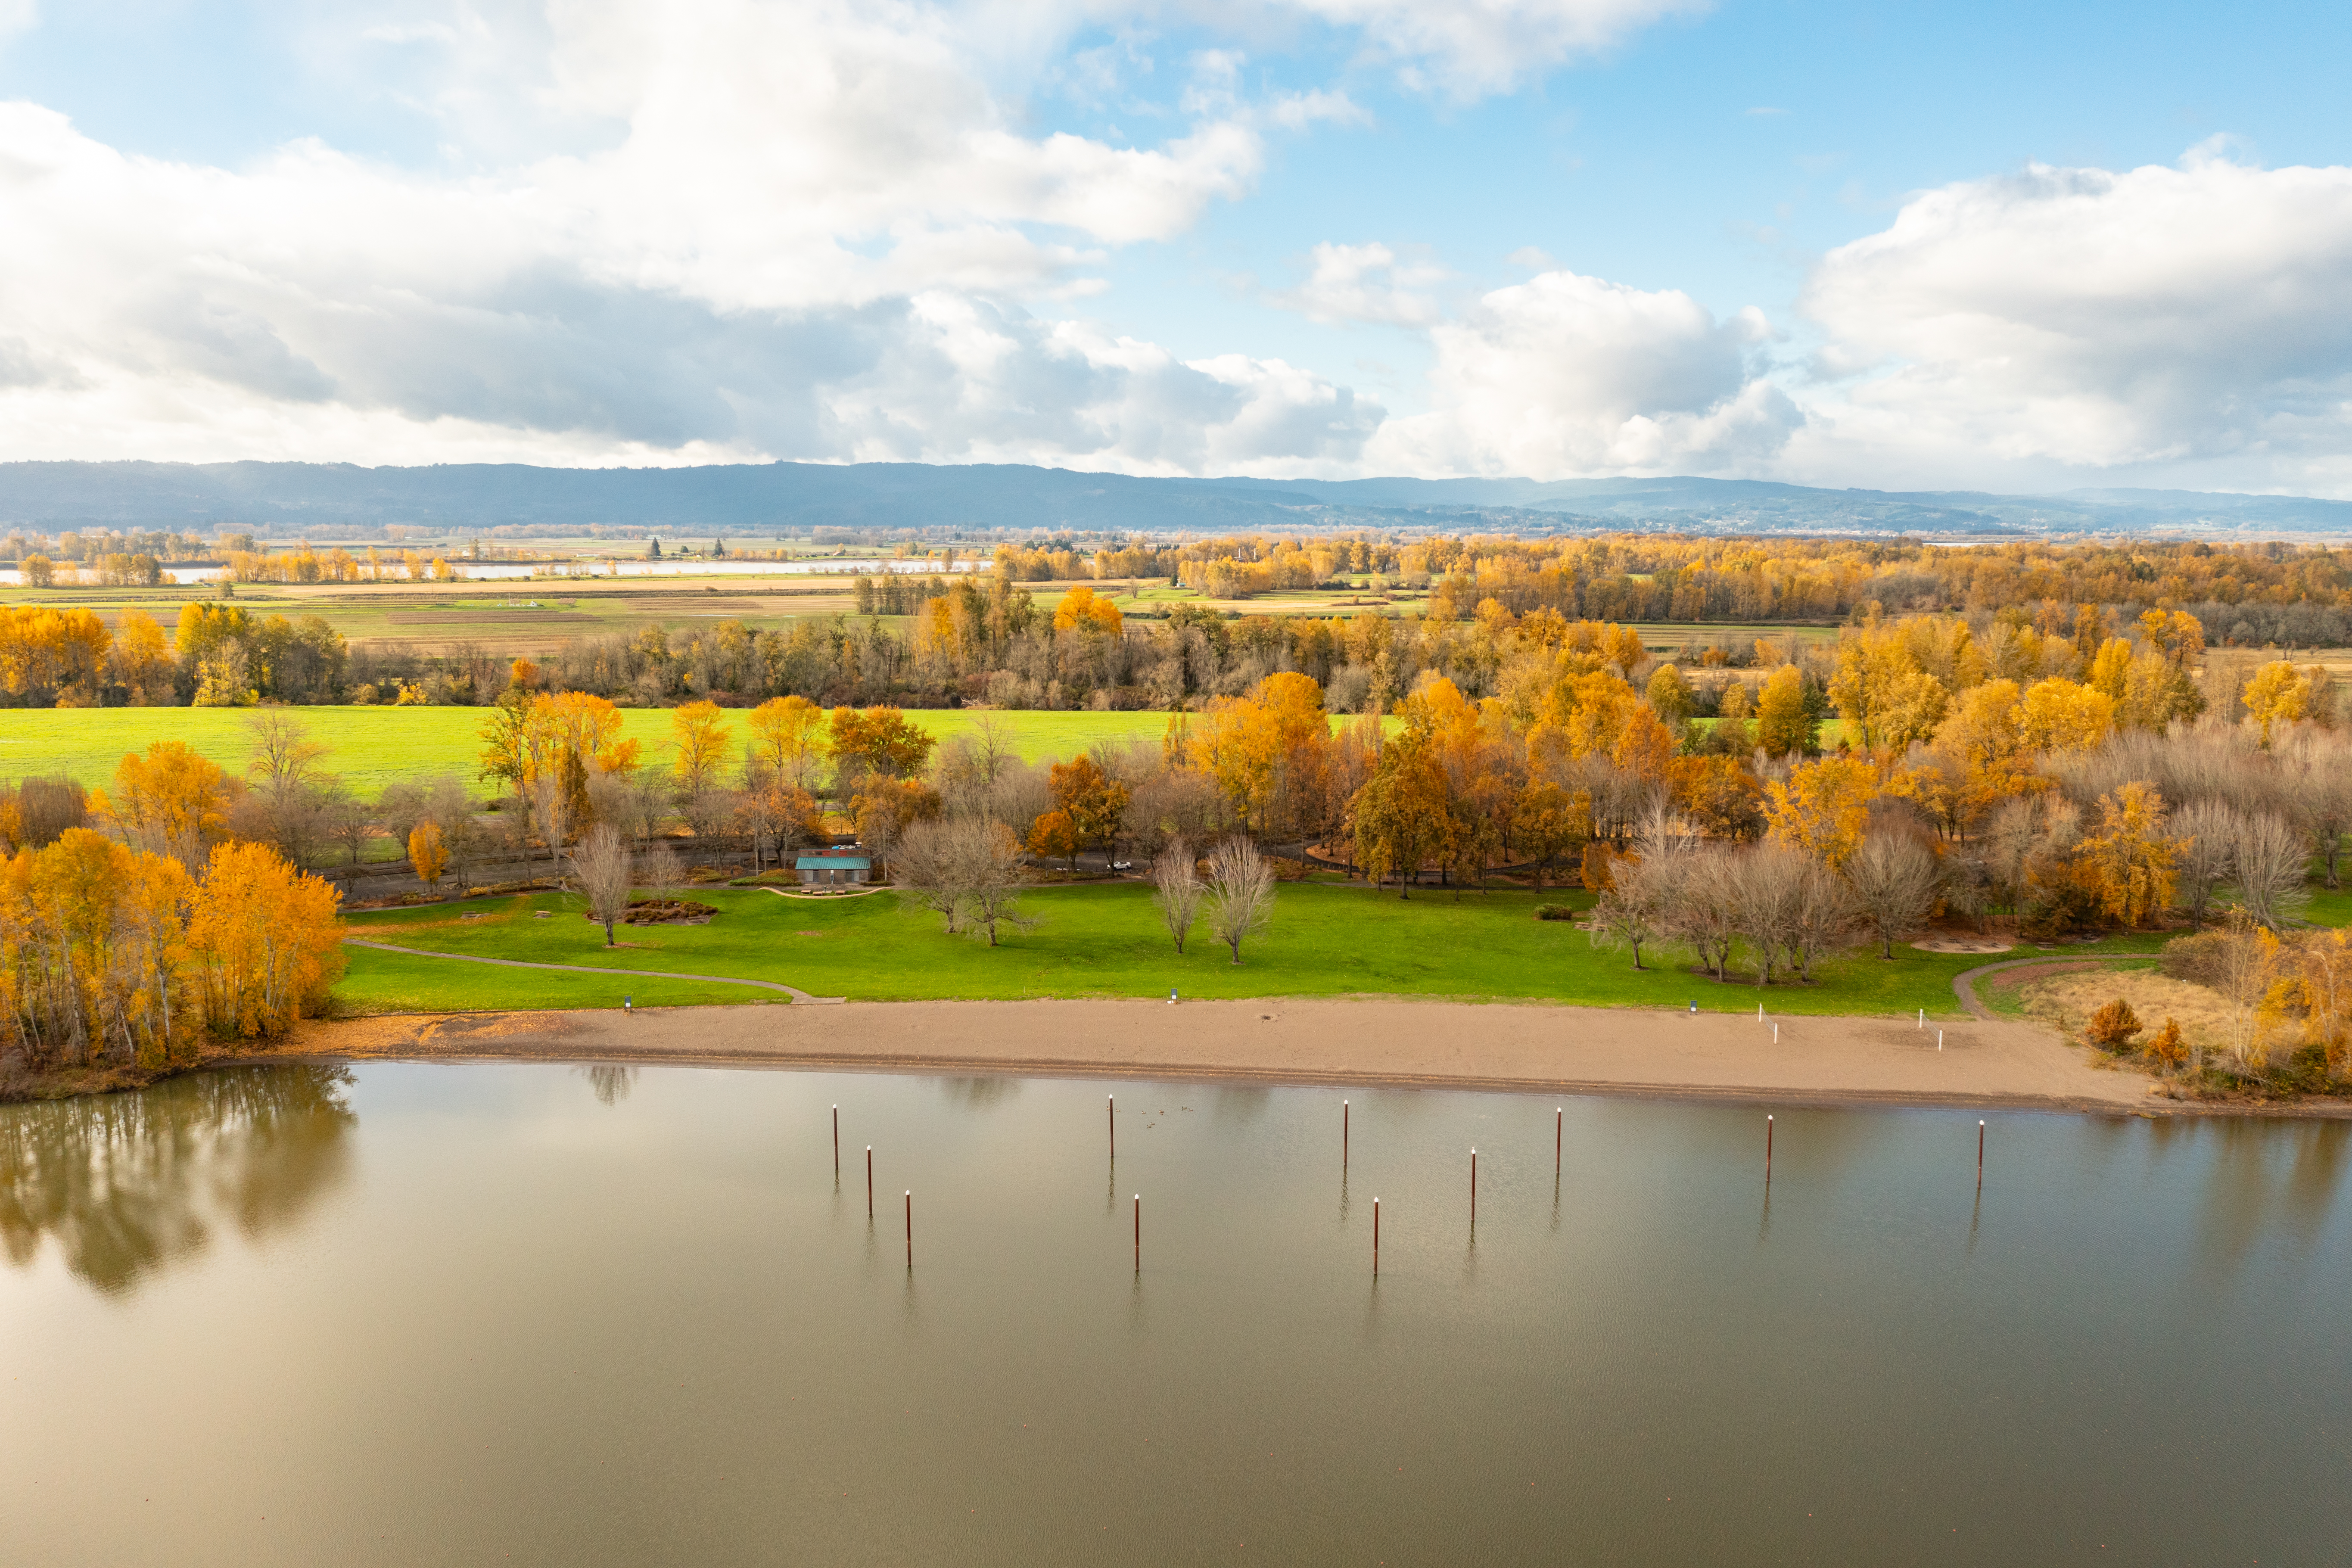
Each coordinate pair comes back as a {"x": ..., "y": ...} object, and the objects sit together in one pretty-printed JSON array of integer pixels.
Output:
[{"x": 1899, "y": 247}]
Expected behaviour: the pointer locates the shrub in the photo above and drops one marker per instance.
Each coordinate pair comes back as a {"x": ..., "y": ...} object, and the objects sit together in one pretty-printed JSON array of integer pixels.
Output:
[
  {"x": 2167, "y": 1047},
  {"x": 1554, "y": 912},
  {"x": 2112, "y": 1027},
  {"x": 2199, "y": 959}
]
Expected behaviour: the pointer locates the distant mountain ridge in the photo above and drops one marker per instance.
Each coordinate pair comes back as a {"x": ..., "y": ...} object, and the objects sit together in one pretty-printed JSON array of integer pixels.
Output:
[{"x": 780, "y": 498}]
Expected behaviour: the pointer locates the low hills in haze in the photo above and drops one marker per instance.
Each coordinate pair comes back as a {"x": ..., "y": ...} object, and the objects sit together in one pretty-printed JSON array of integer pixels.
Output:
[{"x": 322, "y": 499}]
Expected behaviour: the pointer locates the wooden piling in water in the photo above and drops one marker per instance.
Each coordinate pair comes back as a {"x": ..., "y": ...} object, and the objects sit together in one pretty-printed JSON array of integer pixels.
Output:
[
  {"x": 1767, "y": 1149},
  {"x": 1376, "y": 1238},
  {"x": 911, "y": 1231},
  {"x": 1558, "y": 1135},
  {"x": 1980, "y": 1156},
  {"x": 1111, "y": 1116},
  {"x": 1138, "y": 1233},
  {"x": 869, "y": 1180},
  {"x": 1343, "y": 1135},
  {"x": 836, "y": 1139}
]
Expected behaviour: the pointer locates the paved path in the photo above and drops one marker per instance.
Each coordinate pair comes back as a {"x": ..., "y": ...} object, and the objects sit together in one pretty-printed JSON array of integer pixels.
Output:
[
  {"x": 1964, "y": 982},
  {"x": 795, "y": 994}
]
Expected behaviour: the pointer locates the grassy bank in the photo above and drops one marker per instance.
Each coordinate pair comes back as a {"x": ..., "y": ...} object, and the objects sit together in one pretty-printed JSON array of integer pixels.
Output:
[{"x": 1328, "y": 939}]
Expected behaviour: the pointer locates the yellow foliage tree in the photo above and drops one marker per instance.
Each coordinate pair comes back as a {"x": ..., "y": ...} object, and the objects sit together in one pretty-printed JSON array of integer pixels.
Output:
[
  {"x": 427, "y": 853},
  {"x": 2063, "y": 716},
  {"x": 2276, "y": 695},
  {"x": 265, "y": 939},
  {"x": 700, "y": 732},
  {"x": 1882, "y": 688},
  {"x": 92, "y": 954},
  {"x": 1239, "y": 742},
  {"x": 1783, "y": 728},
  {"x": 1825, "y": 806},
  {"x": 2110, "y": 669},
  {"x": 2128, "y": 862},
  {"x": 51, "y": 655},
  {"x": 787, "y": 740},
  {"x": 1082, "y": 611},
  {"x": 141, "y": 660},
  {"x": 170, "y": 801}
]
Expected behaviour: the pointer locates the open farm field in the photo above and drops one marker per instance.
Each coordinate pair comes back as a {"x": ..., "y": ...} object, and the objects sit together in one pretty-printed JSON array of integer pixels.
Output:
[
  {"x": 372, "y": 747},
  {"x": 1328, "y": 939},
  {"x": 1668, "y": 637},
  {"x": 504, "y": 618}
]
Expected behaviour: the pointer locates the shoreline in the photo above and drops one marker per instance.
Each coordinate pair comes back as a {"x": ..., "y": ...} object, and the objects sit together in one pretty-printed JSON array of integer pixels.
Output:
[{"x": 1493, "y": 1048}]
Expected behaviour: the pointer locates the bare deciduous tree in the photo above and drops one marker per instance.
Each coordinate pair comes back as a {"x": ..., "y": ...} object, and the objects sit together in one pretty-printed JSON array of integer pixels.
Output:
[
  {"x": 347, "y": 821},
  {"x": 1646, "y": 890},
  {"x": 602, "y": 862},
  {"x": 2268, "y": 861},
  {"x": 33, "y": 812},
  {"x": 994, "y": 872},
  {"x": 1022, "y": 792},
  {"x": 1768, "y": 899},
  {"x": 1708, "y": 923},
  {"x": 1238, "y": 901},
  {"x": 1894, "y": 878},
  {"x": 2203, "y": 837},
  {"x": 1176, "y": 889},
  {"x": 286, "y": 779},
  {"x": 658, "y": 869},
  {"x": 1173, "y": 803},
  {"x": 2318, "y": 765},
  {"x": 551, "y": 819},
  {"x": 927, "y": 873},
  {"x": 1823, "y": 920},
  {"x": 1623, "y": 916}
]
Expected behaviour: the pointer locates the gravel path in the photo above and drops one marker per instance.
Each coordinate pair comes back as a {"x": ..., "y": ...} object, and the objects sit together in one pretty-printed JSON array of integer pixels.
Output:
[
  {"x": 1964, "y": 983},
  {"x": 795, "y": 994}
]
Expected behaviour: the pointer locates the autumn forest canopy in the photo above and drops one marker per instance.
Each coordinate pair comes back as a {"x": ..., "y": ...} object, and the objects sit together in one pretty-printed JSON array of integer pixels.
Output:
[{"x": 1835, "y": 743}]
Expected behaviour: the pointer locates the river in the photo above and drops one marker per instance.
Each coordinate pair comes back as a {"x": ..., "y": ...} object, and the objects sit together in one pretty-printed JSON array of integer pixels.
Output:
[{"x": 409, "y": 1314}]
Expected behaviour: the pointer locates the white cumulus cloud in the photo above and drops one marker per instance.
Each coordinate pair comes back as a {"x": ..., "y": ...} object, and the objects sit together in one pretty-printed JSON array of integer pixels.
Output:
[
  {"x": 2092, "y": 319},
  {"x": 808, "y": 232},
  {"x": 1565, "y": 375},
  {"x": 1365, "y": 283}
]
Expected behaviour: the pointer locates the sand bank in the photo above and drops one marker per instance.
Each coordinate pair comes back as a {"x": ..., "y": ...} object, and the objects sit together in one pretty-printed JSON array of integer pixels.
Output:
[{"x": 1570, "y": 1050}]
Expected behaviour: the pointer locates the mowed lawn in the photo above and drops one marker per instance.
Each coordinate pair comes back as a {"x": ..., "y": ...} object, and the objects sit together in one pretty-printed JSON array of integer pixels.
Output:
[
  {"x": 372, "y": 747},
  {"x": 1326, "y": 939}
]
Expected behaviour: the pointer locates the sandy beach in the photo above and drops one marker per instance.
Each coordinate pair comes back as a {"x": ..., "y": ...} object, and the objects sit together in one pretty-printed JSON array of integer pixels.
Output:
[{"x": 1575, "y": 1050}]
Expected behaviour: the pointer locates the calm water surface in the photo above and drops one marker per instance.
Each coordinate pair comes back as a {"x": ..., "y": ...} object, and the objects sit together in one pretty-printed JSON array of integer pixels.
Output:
[{"x": 419, "y": 1314}]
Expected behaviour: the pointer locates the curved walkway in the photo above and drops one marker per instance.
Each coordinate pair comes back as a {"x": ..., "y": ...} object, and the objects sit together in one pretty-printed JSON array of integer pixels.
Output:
[
  {"x": 795, "y": 993},
  {"x": 1964, "y": 982}
]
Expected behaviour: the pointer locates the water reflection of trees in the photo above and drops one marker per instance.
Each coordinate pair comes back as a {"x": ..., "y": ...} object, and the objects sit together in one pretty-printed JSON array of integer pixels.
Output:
[
  {"x": 126, "y": 1184},
  {"x": 612, "y": 1081},
  {"x": 2263, "y": 1176},
  {"x": 979, "y": 1093}
]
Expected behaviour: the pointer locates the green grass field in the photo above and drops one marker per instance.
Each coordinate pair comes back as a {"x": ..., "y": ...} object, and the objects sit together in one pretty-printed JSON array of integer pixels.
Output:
[
  {"x": 372, "y": 747},
  {"x": 1328, "y": 939}
]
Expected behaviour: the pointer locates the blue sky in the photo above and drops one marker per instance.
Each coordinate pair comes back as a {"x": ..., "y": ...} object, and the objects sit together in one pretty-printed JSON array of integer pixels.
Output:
[{"x": 1898, "y": 245}]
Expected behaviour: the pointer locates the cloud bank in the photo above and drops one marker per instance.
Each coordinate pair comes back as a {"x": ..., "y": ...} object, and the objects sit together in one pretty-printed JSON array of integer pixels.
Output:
[
  {"x": 813, "y": 230},
  {"x": 2200, "y": 313}
]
